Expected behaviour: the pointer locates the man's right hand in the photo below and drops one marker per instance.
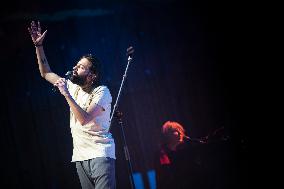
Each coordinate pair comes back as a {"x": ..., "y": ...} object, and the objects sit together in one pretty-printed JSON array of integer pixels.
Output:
[{"x": 35, "y": 32}]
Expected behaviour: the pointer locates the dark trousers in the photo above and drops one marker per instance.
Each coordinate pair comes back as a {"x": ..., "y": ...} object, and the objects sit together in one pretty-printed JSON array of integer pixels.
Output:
[{"x": 97, "y": 173}]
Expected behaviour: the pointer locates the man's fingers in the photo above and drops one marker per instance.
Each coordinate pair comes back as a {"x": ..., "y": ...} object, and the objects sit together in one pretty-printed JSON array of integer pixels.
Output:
[
  {"x": 30, "y": 31},
  {"x": 60, "y": 82},
  {"x": 32, "y": 23},
  {"x": 38, "y": 27},
  {"x": 57, "y": 82},
  {"x": 43, "y": 35},
  {"x": 32, "y": 35},
  {"x": 35, "y": 29},
  {"x": 33, "y": 26}
]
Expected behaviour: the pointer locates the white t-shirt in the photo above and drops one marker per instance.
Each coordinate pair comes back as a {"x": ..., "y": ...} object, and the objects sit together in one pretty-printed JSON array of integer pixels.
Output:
[{"x": 100, "y": 142}]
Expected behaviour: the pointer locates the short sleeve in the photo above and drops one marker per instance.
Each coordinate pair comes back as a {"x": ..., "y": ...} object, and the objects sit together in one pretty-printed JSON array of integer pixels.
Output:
[{"x": 102, "y": 97}]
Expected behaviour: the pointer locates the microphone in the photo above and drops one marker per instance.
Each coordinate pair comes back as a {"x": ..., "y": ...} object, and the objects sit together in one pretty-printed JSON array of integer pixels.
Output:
[
  {"x": 194, "y": 140},
  {"x": 67, "y": 76},
  {"x": 129, "y": 53}
]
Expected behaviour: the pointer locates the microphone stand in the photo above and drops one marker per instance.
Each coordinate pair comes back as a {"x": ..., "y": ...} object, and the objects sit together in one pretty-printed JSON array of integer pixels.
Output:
[
  {"x": 123, "y": 78},
  {"x": 125, "y": 148},
  {"x": 130, "y": 52}
]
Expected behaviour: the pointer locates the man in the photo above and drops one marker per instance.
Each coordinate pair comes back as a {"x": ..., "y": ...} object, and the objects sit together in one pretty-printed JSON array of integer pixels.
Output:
[{"x": 90, "y": 107}]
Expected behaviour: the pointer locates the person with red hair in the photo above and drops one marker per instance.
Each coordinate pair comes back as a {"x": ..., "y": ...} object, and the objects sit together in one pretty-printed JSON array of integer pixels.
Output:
[
  {"x": 173, "y": 134},
  {"x": 173, "y": 161}
]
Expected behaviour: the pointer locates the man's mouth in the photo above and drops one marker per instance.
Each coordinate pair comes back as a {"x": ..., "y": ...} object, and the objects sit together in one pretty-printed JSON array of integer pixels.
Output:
[{"x": 75, "y": 73}]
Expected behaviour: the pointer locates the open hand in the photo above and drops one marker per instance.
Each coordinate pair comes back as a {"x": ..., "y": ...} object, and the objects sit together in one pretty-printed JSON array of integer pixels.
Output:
[{"x": 35, "y": 32}]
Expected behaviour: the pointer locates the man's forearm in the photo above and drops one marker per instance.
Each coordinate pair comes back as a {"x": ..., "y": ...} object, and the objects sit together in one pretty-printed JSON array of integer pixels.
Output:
[
  {"x": 42, "y": 61},
  {"x": 81, "y": 115}
]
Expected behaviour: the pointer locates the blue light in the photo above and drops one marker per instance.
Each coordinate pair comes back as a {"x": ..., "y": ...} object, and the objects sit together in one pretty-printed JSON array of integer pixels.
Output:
[
  {"x": 138, "y": 182},
  {"x": 152, "y": 179}
]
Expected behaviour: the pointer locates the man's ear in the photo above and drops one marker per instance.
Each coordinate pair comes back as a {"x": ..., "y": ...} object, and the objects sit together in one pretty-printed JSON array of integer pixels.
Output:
[{"x": 92, "y": 77}]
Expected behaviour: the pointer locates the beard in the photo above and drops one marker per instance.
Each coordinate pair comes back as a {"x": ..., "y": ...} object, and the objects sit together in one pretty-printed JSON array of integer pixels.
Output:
[{"x": 78, "y": 80}]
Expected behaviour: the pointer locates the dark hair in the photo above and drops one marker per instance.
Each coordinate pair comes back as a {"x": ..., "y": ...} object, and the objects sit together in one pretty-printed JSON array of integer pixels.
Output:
[{"x": 95, "y": 66}]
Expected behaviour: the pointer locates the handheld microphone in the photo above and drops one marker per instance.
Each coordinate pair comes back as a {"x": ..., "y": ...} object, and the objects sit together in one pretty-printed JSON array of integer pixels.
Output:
[{"x": 67, "y": 76}]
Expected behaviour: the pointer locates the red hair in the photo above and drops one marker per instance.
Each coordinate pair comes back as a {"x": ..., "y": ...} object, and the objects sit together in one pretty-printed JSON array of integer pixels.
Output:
[{"x": 173, "y": 125}]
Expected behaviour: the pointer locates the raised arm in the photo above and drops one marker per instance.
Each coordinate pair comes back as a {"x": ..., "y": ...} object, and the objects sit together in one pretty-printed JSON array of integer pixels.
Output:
[{"x": 37, "y": 38}]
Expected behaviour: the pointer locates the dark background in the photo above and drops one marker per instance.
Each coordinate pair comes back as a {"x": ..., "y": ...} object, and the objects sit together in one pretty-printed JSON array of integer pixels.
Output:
[{"x": 188, "y": 66}]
